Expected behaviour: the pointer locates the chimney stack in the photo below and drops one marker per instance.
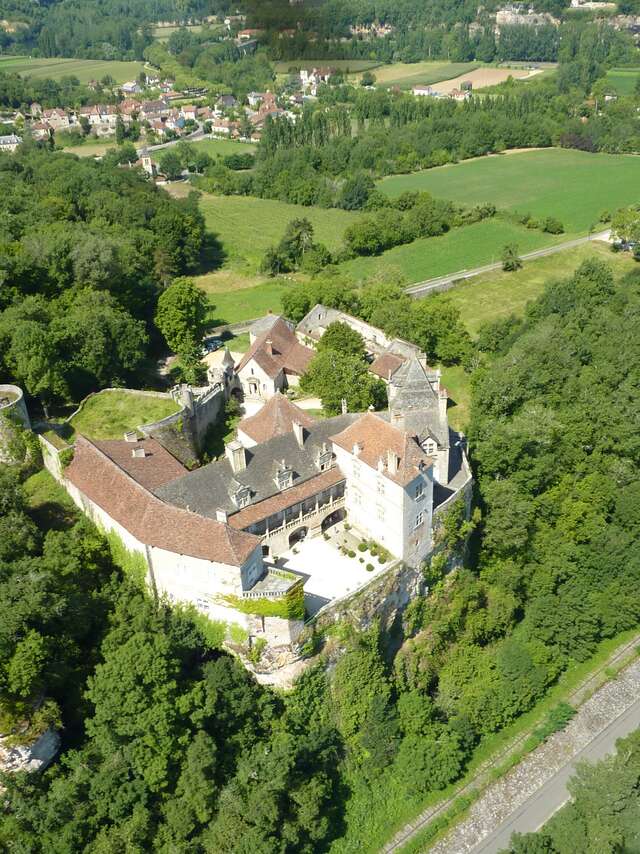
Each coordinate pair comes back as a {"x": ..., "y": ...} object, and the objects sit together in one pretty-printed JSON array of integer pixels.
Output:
[
  {"x": 268, "y": 346},
  {"x": 443, "y": 399},
  {"x": 343, "y": 404},
  {"x": 221, "y": 515},
  {"x": 392, "y": 462},
  {"x": 298, "y": 432},
  {"x": 138, "y": 453},
  {"x": 131, "y": 436},
  {"x": 236, "y": 456},
  {"x": 357, "y": 447}
]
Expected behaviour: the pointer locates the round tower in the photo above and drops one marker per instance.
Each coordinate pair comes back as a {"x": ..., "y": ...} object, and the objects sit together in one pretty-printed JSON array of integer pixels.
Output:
[{"x": 13, "y": 410}]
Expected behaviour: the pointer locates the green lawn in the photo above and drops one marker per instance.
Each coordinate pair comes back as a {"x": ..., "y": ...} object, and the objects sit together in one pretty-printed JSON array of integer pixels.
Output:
[
  {"x": 459, "y": 249},
  {"x": 493, "y": 295},
  {"x": 162, "y": 34},
  {"x": 90, "y": 149},
  {"x": 623, "y": 80},
  {"x": 406, "y": 75},
  {"x": 573, "y": 186},
  {"x": 247, "y": 226},
  {"x": 110, "y": 414},
  {"x": 236, "y": 304},
  {"x": 84, "y": 69},
  {"x": 223, "y": 147},
  {"x": 49, "y": 504}
]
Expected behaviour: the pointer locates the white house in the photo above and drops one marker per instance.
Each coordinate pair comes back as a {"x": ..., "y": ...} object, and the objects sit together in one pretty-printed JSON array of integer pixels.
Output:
[
  {"x": 10, "y": 142},
  {"x": 275, "y": 361}
]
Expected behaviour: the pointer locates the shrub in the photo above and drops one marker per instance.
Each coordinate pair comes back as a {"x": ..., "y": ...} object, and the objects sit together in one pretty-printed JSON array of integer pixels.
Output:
[
  {"x": 369, "y": 567},
  {"x": 351, "y": 553},
  {"x": 361, "y": 559},
  {"x": 362, "y": 547},
  {"x": 552, "y": 225},
  {"x": 257, "y": 649}
]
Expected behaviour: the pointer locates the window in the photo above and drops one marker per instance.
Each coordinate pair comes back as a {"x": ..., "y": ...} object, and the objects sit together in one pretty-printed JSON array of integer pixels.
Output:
[
  {"x": 419, "y": 519},
  {"x": 357, "y": 498},
  {"x": 356, "y": 469},
  {"x": 380, "y": 513},
  {"x": 419, "y": 491},
  {"x": 380, "y": 486}
]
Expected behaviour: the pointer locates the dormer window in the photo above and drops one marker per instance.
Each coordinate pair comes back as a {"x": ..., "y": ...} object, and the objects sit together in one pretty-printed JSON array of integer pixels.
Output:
[
  {"x": 284, "y": 476},
  {"x": 242, "y": 497},
  {"x": 325, "y": 458},
  {"x": 429, "y": 447}
]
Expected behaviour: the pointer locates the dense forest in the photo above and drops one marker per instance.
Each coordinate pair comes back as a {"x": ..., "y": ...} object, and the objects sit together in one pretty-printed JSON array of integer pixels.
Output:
[
  {"x": 170, "y": 745},
  {"x": 86, "y": 248},
  {"x": 604, "y": 813}
]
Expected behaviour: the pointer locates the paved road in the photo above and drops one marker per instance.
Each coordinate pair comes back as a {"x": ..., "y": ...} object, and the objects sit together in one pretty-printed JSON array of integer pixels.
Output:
[
  {"x": 420, "y": 289},
  {"x": 552, "y": 795}
]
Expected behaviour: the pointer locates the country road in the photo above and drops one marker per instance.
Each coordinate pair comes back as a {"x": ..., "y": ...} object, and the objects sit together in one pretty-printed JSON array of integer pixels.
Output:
[
  {"x": 531, "y": 792},
  {"x": 554, "y": 794},
  {"x": 420, "y": 289}
]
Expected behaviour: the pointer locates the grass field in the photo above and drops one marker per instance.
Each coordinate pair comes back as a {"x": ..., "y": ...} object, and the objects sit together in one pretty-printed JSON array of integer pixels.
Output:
[
  {"x": 247, "y": 226},
  {"x": 573, "y": 186},
  {"x": 232, "y": 302},
  {"x": 91, "y": 149},
  {"x": 623, "y": 80},
  {"x": 84, "y": 69},
  {"x": 48, "y": 502},
  {"x": 494, "y": 295},
  {"x": 459, "y": 249},
  {"x": 162, "y": 34},
  {"x": 110, "y": 414},
  {"x": 223, "y": 147},
  {"x": 405, "y": 75}
]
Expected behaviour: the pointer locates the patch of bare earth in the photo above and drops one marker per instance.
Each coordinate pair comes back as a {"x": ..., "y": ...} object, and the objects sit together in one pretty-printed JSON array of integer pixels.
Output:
[{"x": 484, "y": 77}]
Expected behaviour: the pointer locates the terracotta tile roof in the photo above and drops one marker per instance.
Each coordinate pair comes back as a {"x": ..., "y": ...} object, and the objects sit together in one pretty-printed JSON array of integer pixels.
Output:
[
  {"x": 386, "y": 365},
  {"x": 376, "y": 439},
  {"x": 263, "y": 509},
  {"x": 155, "y": 469},
  {"x": 149, "y": 519},
  {"x": 284, "y": 353},
  {"x": 274, "y": 419}
]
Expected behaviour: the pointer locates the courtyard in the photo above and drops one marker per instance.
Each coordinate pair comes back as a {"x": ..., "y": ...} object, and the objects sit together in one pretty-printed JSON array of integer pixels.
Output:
[{"x": 331, "y": 573}]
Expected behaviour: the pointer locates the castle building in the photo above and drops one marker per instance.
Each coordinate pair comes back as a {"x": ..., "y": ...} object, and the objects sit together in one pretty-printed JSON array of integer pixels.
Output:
[{"x": 212, "y": 537}]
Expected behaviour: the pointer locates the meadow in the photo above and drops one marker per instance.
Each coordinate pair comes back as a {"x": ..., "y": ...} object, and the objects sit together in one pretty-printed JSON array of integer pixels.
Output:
[
  {"x": 574, "y": 186},
  {"x": 404, "y": 75},
  {"x": 457, "y": 250},
  {"x": 222, "y": 147},
  {"x": 84, "y": 69},
  {"x": 623, "y": 80},
  {"x": 110, "y": 414},
  {"x": 246, "y": 226}
]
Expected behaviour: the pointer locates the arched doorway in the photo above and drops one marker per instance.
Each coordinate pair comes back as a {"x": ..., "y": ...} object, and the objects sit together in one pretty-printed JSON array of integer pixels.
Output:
[
  {"x": 333, "y": 518},
  {"x": 297, "y": 536}
]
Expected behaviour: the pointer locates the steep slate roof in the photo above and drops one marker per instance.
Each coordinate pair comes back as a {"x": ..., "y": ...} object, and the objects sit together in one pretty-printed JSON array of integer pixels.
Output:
[
  {"x": 212, "y": 487},
  {"x": 274, "y": 419},
  {"x": 412, "y": 395},
  {"x": 286, "y": 354},
  {"x": 149, "y": 519},
  {"x": 256, "y": 512},
  {"x": 156, "y": 468},
  {"x": 376, "y": 437}
]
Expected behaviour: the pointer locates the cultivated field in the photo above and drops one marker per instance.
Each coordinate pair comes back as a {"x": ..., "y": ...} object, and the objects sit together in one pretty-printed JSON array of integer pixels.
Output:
[
  {"x": 483, "y": 77},
  {"x": 623, "y": 80},
  {"x": 405, "y": 75},
  {"x": 460, "y": 249},
  {"x": 574, "y": 186},
  {"x": 84, "y": 69},
  {"x": 246, "y": 227},
  {"x": 163, "y": 33}
]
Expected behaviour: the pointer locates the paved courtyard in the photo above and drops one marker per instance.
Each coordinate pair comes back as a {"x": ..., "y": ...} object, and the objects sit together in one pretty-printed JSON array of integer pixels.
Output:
[{"x": 330, "y": 574}]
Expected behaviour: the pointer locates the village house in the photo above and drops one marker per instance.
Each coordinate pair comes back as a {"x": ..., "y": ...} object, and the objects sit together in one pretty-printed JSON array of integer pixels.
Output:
[
  {"x": 274, "y": 362},
  {"x": 56, "y": 119},
  {"x": 10, "y": 142}
]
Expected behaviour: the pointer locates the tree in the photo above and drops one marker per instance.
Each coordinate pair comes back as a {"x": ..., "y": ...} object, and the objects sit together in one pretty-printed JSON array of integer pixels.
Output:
[
  {"x": 334, "y": 377},
  {"x": 367, "y": 79},
  {"x": 625, "y": 225},
  {"x": 511, "y": 261},
  {"x": 121, "y": 132},
  {"x": 342, "y": 338},
  {"x": 180, "y": 316},
  {"x": 355, "y": 192},
  {"x": 170, "y": 165}
]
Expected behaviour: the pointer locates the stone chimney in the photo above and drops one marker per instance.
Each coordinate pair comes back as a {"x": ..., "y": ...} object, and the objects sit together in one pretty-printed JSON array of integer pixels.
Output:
[
  {"x": 343, "y": 405},
  {"x": 131, "y": 436},
  {"x": 298, "y": 432},
  {"x": 268, "y": 346},
  {"x": 357, "y": 447},
  {"x": 138, "y": 453},
  {"x": 236, "y": 456},
  {"x": 221, "y": 515},
  {"x": 443, "y": 398},
  {"x": 380, "y": 464},
  {"x": 392, "y": 462},
  {"x": 397, "y": 419}
]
